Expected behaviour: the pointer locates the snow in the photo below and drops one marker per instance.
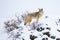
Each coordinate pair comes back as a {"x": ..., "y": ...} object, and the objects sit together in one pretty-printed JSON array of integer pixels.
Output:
[{"x": 10, "y": 10}]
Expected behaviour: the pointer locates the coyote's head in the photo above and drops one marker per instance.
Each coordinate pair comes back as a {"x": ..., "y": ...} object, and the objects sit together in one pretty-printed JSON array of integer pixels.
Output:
[{"x": 40, "y": 11}]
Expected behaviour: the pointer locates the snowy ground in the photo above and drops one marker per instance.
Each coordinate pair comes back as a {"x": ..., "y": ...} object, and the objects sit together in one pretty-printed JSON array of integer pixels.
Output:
[
  {"x": 34, "y": 31},
  {"x": 48, "y": 28}
]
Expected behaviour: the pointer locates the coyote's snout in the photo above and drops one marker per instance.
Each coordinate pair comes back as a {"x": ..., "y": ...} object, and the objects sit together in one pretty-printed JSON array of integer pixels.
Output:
[{"x": 36, "y": 15}]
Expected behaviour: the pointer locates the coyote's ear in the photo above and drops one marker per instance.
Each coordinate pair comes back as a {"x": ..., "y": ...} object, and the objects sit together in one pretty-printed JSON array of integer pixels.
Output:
[{"x": 41, "y": 9}]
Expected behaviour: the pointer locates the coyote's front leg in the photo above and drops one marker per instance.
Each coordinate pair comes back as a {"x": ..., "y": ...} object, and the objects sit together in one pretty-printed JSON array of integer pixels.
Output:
[{"x": 37, "y": 19}]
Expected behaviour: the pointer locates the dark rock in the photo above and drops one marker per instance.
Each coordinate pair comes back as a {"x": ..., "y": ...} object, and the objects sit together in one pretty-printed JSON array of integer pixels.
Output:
[
  {"x": 58, "y": 30},
  {"x": 59, "y": 20},
  {"x": 56, "y": 23},
  {"x": 45, "y": 39},
  {"x": 53, "y": 37},
  {"x": 47, "y": 24},
  {"x": 48, "y": 28},
  {"x": 32, "y": 37},
  {"x": 40, "y": 29},
  {"x": 46, "y": 16},
  {"x": 47, "y": 33},
  {"x": 57, "y": 38}
]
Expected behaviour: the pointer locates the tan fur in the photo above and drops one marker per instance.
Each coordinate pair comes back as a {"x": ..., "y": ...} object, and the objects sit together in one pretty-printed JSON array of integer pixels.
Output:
[{"x": 35, "y": 15}]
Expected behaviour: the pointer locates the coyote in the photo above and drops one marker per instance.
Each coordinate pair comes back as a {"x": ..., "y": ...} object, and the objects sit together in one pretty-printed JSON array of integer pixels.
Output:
[{"x": 35, "y": 15}]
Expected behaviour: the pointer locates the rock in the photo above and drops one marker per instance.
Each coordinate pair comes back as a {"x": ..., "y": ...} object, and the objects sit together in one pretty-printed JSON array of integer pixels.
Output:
[
  {"x": 53, "y": 37},
  {"x": 32, "y": 37},
  {"x": 57, "y": 38},
  {"x": 22, "y": 39},
  {"x": 40, "y": 29},
  {"x": 59, "y": 20},
  {"x": 48, "y": 28},
  {"x": 46, "y": 16},
  {"x": 47, "y": 33},
  {"x": 45, "y": 39},
  {"x": 58, "y": 30},
  {"x": 47, "y": 24}
]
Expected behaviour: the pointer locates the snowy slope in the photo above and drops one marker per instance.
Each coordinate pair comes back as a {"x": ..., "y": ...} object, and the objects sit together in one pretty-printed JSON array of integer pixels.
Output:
[
  {"x": 9, "y": 9},
  {"x": 34, "y": 31}
]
